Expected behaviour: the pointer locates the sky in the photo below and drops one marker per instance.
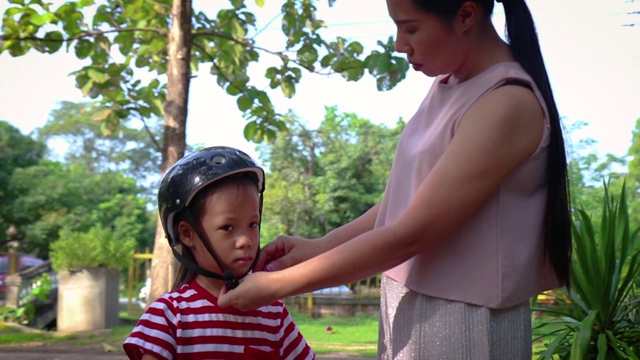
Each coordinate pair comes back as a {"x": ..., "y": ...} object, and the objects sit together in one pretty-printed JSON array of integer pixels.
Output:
[{"x": 592, "y": 59}]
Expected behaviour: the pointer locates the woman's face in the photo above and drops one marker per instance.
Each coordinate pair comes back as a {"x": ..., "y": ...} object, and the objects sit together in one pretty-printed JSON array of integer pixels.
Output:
[
  {"x": 432, "y": 46},
  {"x": 230, "y": 219}
]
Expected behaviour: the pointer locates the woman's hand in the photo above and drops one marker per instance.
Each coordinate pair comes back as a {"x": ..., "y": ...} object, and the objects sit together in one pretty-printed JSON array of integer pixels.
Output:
[
  {"x": 255, "y": 290},
  {"x": 286, "y": 251}
]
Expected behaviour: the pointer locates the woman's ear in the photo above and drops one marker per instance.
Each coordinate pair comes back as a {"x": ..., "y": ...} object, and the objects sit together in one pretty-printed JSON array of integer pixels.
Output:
[
  {"x": 468, "y": 15},
  {"x": 186, "y": 233}
]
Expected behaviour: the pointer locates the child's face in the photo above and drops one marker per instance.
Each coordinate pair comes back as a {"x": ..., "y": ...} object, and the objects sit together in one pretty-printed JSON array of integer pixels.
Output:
[{"x": 230, "y": 220}]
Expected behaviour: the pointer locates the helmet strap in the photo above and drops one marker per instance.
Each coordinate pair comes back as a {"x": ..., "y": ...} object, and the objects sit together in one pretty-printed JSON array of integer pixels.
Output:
[{"x": 194, "y": 267}]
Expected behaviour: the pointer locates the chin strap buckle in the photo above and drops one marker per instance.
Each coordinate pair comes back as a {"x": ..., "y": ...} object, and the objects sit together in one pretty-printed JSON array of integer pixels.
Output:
[{"x": 232, "y": 280}]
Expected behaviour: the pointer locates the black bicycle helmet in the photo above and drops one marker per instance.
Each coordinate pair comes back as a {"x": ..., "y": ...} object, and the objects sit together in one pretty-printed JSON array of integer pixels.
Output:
[{"x": 184, "y": 179}]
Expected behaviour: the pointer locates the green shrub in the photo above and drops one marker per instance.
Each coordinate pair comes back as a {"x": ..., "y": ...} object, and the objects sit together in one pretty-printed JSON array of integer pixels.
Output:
[
  {"x": 26, "y": 312},
  {"x": 95, "y": 248},
  {"x": 599, "y": 318}
]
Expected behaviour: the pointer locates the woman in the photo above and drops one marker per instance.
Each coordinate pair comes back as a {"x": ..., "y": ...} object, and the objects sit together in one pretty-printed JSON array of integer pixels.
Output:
[{"x": 475, "y": 217}]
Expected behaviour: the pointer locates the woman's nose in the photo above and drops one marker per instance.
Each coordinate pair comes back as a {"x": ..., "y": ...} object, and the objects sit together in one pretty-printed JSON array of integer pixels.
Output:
[{"x": 401, "y": 46}]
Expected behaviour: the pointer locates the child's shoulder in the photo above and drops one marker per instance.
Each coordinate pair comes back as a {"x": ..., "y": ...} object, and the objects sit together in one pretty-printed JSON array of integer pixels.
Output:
[{"x": 184, "y": 294}]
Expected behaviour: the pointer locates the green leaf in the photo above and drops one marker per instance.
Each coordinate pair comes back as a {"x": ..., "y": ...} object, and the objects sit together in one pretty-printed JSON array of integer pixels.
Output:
[
  {"x": 87, "y": 87},
  {"x": 271, "y": 72},
  {"x": 355, "y": 48},
  {"x": 288, "y": 88},
  {"x": 582, "y": 338},
  {"x": 244, "y": 102},
  {"x": 238, "y": 4},
  {"x": 97, "y": 76},
  {"x": 125, "y": 41},
  {"x": 41, "y": 19},
  {"x": 307, "y": 55},
  {"x": 12, "y": 12},
  {"x": 602, "y": 346},
  {"x": 327, "y": 60},
  {"x": 556, "y": 344},
  {"x": 615, "y": 344},
  {"x": 250, "y": 130},
  {"x": 353, "y": 74},
  {"x": 53, "y": 41},
  {"x": 83, "y": 48},
  {"x": 14, "y": 47},
  {"x": 233, "y": 90}
]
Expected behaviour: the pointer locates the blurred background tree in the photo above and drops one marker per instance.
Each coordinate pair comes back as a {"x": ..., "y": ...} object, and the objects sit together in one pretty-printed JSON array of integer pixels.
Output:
[
  {"x": 142, "y": 55},
  {"x": 319, "y": 179}
]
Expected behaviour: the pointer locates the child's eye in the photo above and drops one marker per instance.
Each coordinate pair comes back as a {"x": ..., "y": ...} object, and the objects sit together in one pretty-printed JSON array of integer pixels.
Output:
[
  {"x": 227, "y": 228},
  {"x": 254, "y": 225}
]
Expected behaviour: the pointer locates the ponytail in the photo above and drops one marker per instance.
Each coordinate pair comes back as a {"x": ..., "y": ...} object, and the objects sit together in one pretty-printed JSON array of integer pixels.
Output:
[{"x": 524, "y": 44}]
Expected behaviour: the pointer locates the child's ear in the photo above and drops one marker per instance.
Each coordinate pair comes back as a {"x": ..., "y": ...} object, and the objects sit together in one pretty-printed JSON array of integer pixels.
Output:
[{"x": 186, "y": 233}]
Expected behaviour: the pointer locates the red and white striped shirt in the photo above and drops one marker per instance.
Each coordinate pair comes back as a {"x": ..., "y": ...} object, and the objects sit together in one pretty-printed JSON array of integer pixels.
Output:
[{"x": 189, "y": 324}]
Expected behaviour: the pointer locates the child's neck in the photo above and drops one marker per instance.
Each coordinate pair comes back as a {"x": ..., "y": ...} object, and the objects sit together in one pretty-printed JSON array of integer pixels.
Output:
[{"x": 211, "y": 285}]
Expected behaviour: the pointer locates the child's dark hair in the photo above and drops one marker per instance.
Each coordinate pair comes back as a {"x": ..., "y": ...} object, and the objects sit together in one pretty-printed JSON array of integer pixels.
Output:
[
  {"x": 196, "y": 208},
  {"x": 523, "y": 41}
]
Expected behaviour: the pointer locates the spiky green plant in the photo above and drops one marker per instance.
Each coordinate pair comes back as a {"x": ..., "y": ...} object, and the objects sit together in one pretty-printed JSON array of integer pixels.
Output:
[{"x": 599, "y": 318}]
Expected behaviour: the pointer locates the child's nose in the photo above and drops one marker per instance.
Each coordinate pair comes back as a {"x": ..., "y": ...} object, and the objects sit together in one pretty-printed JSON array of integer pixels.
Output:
[{"x": 244, "y": 240}]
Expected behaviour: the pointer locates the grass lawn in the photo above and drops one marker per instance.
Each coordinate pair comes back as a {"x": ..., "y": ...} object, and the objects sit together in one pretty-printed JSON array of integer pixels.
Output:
[{"x": 356, "y": 336}]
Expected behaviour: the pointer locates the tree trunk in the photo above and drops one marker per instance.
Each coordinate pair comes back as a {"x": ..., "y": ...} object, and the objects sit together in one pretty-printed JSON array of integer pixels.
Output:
[{"x": 163, "y": 264}]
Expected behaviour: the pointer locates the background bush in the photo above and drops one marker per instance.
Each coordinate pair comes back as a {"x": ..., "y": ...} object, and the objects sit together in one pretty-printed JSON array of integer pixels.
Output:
[{"x": 96, "y": 248}]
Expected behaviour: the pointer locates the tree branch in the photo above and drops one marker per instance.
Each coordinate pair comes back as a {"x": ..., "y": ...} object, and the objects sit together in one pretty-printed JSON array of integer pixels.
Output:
[
  {"x": 279, "y": 54},
  {"x": 86, "y": 34},
  {"x": 151, "y": 136},
  {"x": 220, "y": 73},
  {"x": 248, "y": 44}
]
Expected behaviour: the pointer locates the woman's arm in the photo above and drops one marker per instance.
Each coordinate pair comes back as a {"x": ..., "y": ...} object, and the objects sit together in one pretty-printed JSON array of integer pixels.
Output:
[
  {"x": 287, "y": 251},
  {"x": 497, "y": 134}
]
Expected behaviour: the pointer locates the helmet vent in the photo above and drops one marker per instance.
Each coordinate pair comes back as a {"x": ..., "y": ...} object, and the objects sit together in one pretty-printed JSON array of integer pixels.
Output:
[{"x": 219, "y": 159}]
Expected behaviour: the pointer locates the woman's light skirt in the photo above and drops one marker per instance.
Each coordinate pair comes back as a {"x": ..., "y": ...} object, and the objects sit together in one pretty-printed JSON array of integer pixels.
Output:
[{"x": 414, "y": 326}]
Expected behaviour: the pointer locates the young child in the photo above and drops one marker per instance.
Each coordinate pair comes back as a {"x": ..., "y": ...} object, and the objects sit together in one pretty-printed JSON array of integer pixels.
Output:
[{"x": 210, "y": 206}]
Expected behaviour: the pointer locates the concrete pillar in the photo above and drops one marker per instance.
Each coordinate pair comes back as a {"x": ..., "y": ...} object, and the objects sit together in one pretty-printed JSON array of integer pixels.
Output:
[
  {"x": 13, "y": 283},
  {"x": 87, "y": 299}
]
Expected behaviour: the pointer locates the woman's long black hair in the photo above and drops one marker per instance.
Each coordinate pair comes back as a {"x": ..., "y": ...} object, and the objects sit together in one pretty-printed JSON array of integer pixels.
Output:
[{"x": 523, "y": 41}]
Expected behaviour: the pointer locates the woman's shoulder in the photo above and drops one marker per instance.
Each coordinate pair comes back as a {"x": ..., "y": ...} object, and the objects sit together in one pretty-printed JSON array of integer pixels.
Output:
[
  {"x": 496, "y": 74},
  {"x": 503, "y": 71}
]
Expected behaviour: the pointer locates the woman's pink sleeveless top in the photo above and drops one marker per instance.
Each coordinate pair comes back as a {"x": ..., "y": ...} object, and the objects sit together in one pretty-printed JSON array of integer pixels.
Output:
[{"x": 495, "y": 258}]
